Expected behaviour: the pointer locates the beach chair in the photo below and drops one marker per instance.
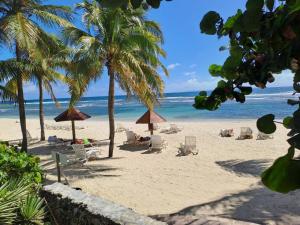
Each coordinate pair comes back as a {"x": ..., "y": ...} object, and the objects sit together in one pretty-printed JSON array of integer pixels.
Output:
[
  {"x": 173, "y": 129},
  {"x": 120, "y": 128},
  {"x": 80, "y": 152},
  {"x": 246, "y": 133},
  {"x": 83, "y": 154},
  {"x": 157, "y": 143},
  {"x": 263, "y": 136},
  {"x": 189, "y": 147},
  {"x": 132, "y": 138},
  {"x": 54, "y": 141},
  {"x": 226, "y": 133}
]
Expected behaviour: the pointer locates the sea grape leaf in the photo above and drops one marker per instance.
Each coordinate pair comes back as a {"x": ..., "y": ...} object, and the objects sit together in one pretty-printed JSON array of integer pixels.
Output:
[
  {"x": 295, "y": 141},
  {"x": 296, "y": 117},
  {"x": 246, "y": 90},
  {"x": 254, "y": 5},
  {"x": 266, "y": 124},
  {"x": 208, "y": 24},
  {"x": 288, "y": 122},
  {"x": 284, "y": 175},
  {"x": 215, "y": 70},
  {"x": 203, "y": 93}
]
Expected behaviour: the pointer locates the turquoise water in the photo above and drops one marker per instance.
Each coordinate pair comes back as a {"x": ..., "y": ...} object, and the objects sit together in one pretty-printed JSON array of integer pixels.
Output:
[{"x": 175, "y": 106}]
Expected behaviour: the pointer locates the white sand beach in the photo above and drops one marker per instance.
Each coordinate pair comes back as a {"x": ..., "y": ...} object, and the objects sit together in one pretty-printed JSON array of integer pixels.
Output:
[{"x": 222, "y": 180}]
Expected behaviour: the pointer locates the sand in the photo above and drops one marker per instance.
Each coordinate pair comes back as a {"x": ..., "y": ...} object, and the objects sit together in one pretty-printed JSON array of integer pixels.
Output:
[{"x": 222, "y": 180}]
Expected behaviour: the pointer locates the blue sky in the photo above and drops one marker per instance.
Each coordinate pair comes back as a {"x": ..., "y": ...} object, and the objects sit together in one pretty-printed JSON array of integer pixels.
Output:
[{"x": 189, "y": 53}]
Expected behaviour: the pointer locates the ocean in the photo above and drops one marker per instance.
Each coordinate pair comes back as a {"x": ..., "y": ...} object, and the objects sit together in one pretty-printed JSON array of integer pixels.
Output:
[{"x": 174, "y": 106}]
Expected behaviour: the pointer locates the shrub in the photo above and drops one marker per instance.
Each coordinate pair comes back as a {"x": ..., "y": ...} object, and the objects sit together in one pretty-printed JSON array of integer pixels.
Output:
[
  {"x": 20, "y": 203},
  {"x": 19, "y": 165}
]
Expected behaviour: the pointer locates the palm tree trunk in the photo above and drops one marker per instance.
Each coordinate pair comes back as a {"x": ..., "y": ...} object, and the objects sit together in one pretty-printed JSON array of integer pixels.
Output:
[
  {"x": 21, "y": 104},
  {"x": 111, "y": 99},
  {"x": 41, "y": 112}
]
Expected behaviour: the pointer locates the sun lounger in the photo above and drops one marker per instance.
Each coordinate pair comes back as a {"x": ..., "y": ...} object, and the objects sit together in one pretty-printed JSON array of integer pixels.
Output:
[
  {"x": 172, "y": 129},
  {"x": 132, "y": 138},
  {"x": 120, "y": 128},
  {"x": 263, "y": 136},
  {"x": 189, "y": 147},
  {"x": 226, "y": 133},
  {"x": 157, "y": 143},
  {"x": 83, "y": 154},
  {"x": 246, "y": 133}
]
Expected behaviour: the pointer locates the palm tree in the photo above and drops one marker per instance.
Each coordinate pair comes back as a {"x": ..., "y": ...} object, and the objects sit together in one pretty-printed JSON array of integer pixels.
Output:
[
  {"x": 124, "y": 42},
  {"x": 20, "y": 31},
  {"x": 42, "y": 71}
]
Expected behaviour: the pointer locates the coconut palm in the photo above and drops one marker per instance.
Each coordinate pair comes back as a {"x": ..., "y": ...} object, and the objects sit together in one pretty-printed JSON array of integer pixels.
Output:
[
  {"x": 20, "y": 32},
  {"x": 41, "y": 69},
  {"x": 124, "y": 42}
]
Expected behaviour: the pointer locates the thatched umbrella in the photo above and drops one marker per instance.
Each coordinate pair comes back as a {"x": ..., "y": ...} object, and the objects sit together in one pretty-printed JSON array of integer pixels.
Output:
[
  {"x": 149, "y": 118},
  {"x": 72, "y": 114}
]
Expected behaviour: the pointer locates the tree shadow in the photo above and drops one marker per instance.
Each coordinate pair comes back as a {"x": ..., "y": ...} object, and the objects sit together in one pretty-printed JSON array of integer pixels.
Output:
[
  {"x": 134, "y": 148},
  {"x": 258, "y": 205},
  {"x": 245, "y": 168}
]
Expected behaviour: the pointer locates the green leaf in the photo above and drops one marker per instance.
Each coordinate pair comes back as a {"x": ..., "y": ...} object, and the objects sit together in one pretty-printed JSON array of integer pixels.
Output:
[
  {"x": 203, "y": 93},
  {"x": 136, "y": 3},
  {"x": 113, "y": 3},
  {"x": 154, "y": 3},
  {"x": 209, "y": 22},
  {"x": 215, "y": 70},
  {"x": 284, "y": 175},
  {"x": 296, "y": 118},
  {"x": 266, "y": 124},
  {"x": 254, "y": 5},
  {"x": 222, "y": 84},
  {"x": 270, "y": 4},
  {"x": 246, "y": 90},
  {"x": 288, "y": 122},
  {"x": 295, "y": 141}
]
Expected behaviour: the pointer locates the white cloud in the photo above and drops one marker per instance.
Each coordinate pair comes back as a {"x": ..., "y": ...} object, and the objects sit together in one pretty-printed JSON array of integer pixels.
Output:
[
  {"x": 283, "y": 79},
  {"x": 29, "y": 88},
  {"x": 192, "y": 84},
  {"x": 193, "y": 73},
  {"x": 173, "y": 66}
]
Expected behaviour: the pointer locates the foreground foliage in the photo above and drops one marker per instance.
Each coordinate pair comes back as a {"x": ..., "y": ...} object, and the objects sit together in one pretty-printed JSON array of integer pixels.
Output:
[
  {"x": 20, "y": 204},
  {"x": 18, "y": 164},
  {"x": 263, "y": 41}
]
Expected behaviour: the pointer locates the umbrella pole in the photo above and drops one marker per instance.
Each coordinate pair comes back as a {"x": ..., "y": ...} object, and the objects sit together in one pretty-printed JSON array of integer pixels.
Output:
[
  {"x": 73, "y": 131},
  {"x": 150, "y": 127}
]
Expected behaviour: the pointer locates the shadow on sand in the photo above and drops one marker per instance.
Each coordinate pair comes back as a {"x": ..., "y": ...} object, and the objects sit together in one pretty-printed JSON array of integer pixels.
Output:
[
  {"x": 258, "y": 205},
  {"x": 133, "y": 148},
  {"x": 245, "y": 168}
]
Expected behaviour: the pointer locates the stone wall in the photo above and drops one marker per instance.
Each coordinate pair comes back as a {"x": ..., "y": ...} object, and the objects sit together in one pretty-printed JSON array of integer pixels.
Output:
[{"x": 74, "y": 207}]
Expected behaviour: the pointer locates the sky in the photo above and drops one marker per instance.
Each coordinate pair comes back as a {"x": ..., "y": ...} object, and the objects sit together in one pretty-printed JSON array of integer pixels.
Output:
[{"x": 189, "y": 53}]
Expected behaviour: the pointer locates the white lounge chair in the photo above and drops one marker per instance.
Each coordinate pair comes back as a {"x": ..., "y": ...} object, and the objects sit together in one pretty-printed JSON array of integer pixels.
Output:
[
  {"x": 83, "y": 154},
  {"x": 172, "y": 129},
  {"x": 189, "y": 147},
  {"x": 226, "y": 133},
  {"x": 120, "y": 128},
  {"x": 246, "y": 133},
  {"x": 263, "y": 136},
  {"x": 157, "y": 143},
  {"x": 132, "y": 138}
]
